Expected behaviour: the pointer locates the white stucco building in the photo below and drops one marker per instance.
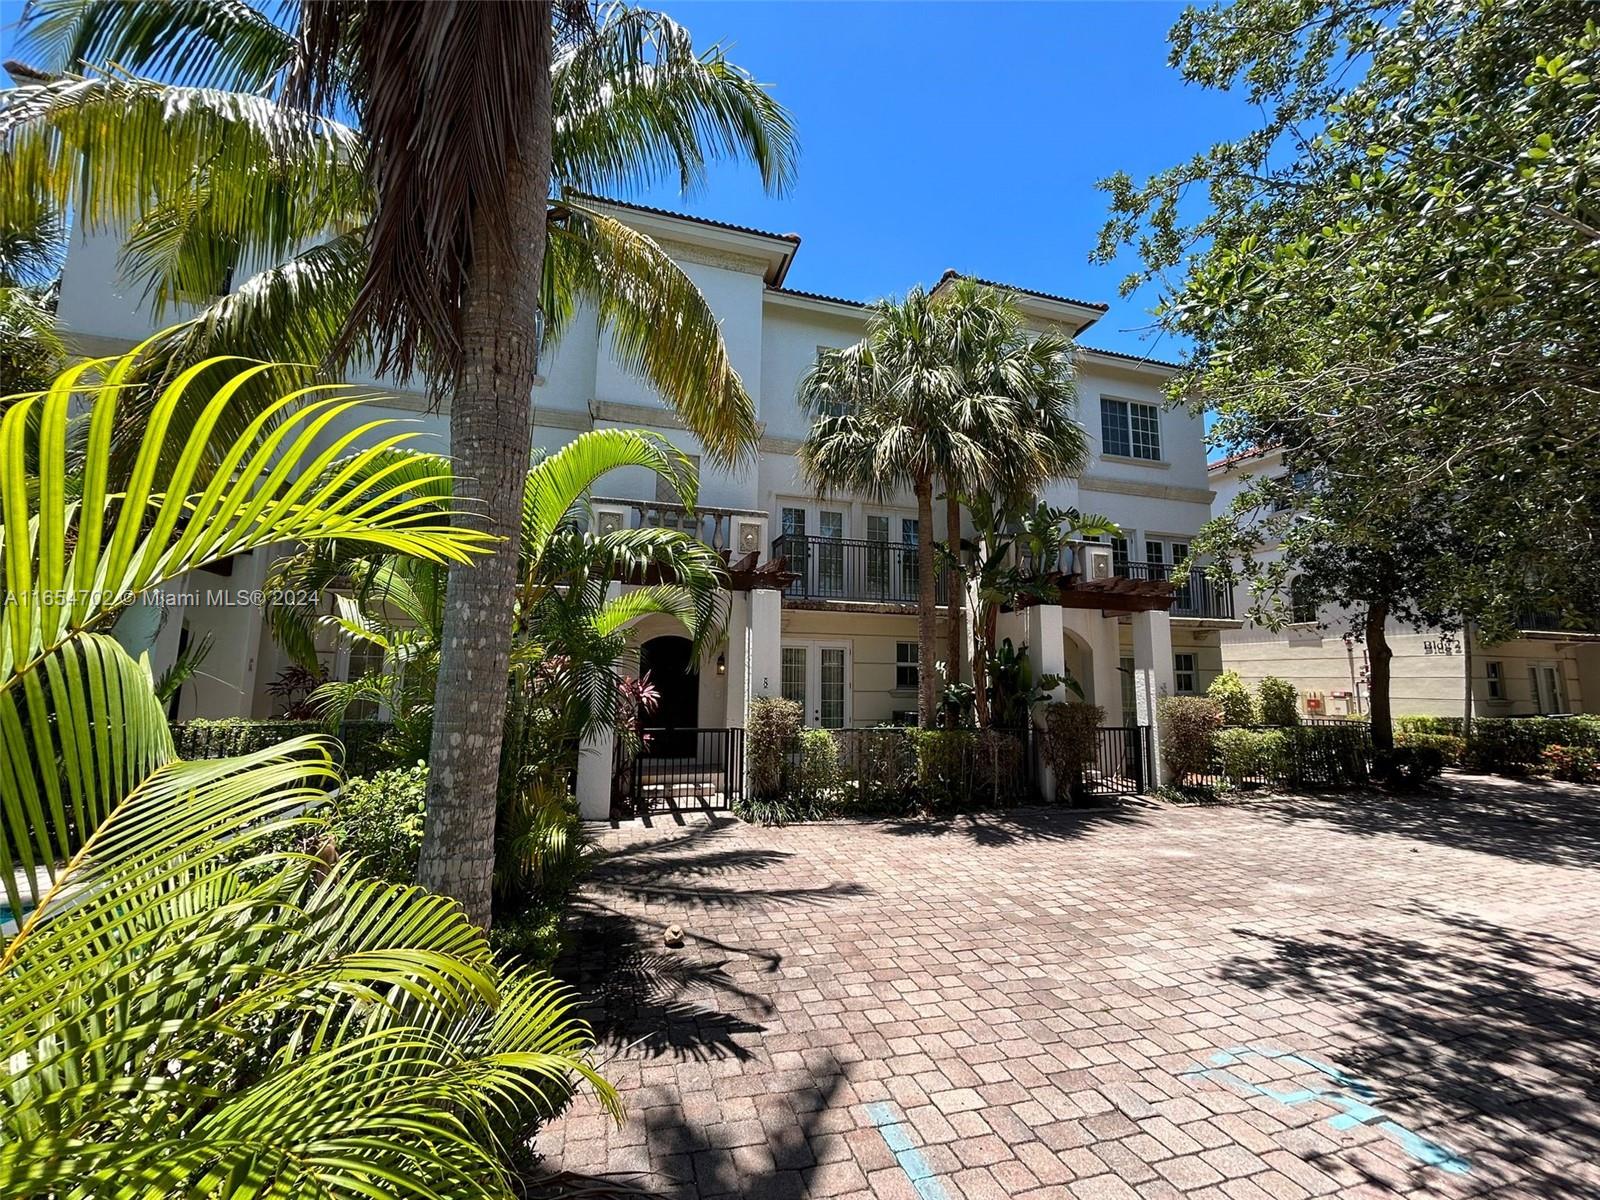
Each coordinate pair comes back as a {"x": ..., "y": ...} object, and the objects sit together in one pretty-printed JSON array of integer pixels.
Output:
[
  {"x": 1547, "y": 669},
  {"x": 842, "y": 640}
]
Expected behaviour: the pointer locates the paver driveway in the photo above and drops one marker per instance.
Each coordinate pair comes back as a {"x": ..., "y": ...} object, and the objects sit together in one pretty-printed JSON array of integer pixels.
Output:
[{"x": 1285, "y": 998}]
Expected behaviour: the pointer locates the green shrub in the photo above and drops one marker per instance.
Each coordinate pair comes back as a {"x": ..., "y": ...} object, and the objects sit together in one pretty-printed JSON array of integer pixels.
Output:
[
  {"x": 367, "y": 746},
  {"x": 1452, "y": 749},
  {"x": 1232, "y": 698},
  {"x": 878, "y": 770},
  {"x": 1276, "y": 702},
  {"x": 769, "y": 728},
  {"x": 1408, "y": 766},
  {"x": 1267, "y": 755},
  {"x": 1188, "y": 734},
  {"x": 769, "y": 810},
  {"x": 1068, "y": 741},
  {"x": 945, "y": 775},
  {"x": 1507, "y": 745},
  {"x": 819, "y": 770},
  {"x": 1575, "y": 764},
  {"x": 378, "y": 820},
  {"x": 531, "y": 936}
]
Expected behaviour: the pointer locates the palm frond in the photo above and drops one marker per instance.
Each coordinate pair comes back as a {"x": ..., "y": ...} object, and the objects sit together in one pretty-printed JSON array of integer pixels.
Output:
[
  {"x": 636, "y": 105},
  {"x": 114, "y": 147},
  {"x": 223, "y": 43},
  {"x": 658, "y": 321},
  {"x": 73, "y": 558}
]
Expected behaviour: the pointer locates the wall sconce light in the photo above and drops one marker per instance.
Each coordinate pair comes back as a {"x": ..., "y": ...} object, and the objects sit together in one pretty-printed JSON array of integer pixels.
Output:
[{"x": 722, "y": 664}]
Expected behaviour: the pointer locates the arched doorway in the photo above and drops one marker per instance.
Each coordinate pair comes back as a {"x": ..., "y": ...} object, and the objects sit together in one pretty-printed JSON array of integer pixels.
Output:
[{"x": 669, "y": 661}]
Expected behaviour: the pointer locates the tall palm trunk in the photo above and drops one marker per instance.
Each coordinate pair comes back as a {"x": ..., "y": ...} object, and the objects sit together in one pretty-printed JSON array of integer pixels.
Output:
[
  {"x": 927, "y": 697},
  {"x": 1378, "y": 672},
  {"x": 491, "y": 425},
  {"x": 955, "y": 604}
]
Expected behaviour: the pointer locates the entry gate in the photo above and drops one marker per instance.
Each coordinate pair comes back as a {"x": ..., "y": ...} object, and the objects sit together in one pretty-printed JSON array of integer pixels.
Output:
[{"x": 681, "y": 769}]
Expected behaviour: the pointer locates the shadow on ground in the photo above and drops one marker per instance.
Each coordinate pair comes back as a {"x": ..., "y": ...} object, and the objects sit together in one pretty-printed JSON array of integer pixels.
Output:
[
  {"x": 1536, "y": 821},
  {"x": 681, "y": 1003},
  {"x": 1021, "y": 826},
  {"x": 1495, "y": 1030}
]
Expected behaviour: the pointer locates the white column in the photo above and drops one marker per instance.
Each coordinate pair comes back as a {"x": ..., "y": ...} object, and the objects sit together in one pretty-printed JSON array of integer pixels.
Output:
[
  {"x": 1047, "y": 651},
  {"x": 1107, "y": 646},
  {"x": 1152, "y": 675},
  {"x": 766, "y": 640},
  {"x": 595, "y": 767},
  {"x": 597, "y": 762},
  {"x": 738, "y": 659}
]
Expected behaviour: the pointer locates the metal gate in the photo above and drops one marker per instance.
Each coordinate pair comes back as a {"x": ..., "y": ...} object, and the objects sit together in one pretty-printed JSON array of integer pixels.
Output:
[
  {"x": 1121, "y": 762},
  {"x": 680, "y": 769}
]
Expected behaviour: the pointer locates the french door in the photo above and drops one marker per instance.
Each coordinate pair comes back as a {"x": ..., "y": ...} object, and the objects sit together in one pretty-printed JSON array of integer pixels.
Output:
[
  {"x": 1545, "y": 681},
  {"x": 816, "y": 676},
  {"x": 817, "y": 552}
]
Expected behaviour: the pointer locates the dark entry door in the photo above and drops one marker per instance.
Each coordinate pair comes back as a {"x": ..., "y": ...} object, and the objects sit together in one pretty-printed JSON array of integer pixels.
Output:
[{"x": 667, "y": 659}]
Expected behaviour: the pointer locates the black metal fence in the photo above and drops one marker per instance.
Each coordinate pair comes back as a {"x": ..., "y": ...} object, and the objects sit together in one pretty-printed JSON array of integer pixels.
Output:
[
  {"x": 845, "y": 569},
  {"x": 894, "y": 769},
  {"x": 680, "y": 768},
  {"x": 1121, "y": 765},
  {"x": 1317, "y": 753}
]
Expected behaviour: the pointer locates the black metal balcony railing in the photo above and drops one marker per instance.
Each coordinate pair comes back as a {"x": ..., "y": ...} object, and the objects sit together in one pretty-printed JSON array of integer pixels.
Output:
[
  {"x": 1194, "y": 594},
  {"x": 842, "y": 569},
  {"x": 1542, "y": 621}
]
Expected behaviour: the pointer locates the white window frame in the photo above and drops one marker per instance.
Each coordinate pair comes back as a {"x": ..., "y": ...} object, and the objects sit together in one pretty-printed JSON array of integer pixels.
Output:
[
  {"x": 1494, "y": 672},
  {"x": 914, "y": 666},
  {"x": 1126, "y": 442},
  {"x": 811, "y": 710},
  {"x": 1192, "y": 671}
]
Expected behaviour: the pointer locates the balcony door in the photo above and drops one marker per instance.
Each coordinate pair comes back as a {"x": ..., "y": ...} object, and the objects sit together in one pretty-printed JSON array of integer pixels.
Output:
[
  {"x": 816, "y": 547},
  {"x": 816, "y": 676},
  {"x": 891, "y": 558}
]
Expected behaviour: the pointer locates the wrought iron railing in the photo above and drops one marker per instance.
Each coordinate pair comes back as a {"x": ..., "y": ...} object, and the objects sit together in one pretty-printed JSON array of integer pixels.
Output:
[
  {"x": 1543, "y": 621},
  {"x": 1121, "y": 764},
  {"x": 680, "y": 768},
  {"x": 1194, "y": 595},
  {"x": 844, "y": 569}
]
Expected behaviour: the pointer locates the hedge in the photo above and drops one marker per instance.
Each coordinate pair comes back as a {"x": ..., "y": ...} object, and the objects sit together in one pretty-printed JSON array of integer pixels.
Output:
[
  {"x": 1505, "y": 745},
  {"x": 894, "y": 770},
  {"x": 365, "y": 746}
]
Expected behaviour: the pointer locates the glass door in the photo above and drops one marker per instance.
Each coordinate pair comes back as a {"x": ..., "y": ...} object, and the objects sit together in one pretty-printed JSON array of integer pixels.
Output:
[
  {"x": 908, "y": 559},
  {"x": 877, "y": 556},
  {"x": 830, "y": 553},
  {"x": 816, "y": 676}
]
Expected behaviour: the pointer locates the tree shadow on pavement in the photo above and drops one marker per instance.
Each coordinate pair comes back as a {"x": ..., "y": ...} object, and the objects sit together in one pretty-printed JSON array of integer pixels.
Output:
[
  {"x": 680, "y": 1002},
  {"x": 1487, "y": 1036},
  {"x": 1021, "y": 826},
  {"x": 1529, "y": 820}
]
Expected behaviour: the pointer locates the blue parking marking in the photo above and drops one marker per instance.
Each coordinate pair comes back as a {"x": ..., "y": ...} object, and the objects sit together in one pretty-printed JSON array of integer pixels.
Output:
[
  {"x": 897, "y": 1136},
  {"x": 1351, "y": 1096}
]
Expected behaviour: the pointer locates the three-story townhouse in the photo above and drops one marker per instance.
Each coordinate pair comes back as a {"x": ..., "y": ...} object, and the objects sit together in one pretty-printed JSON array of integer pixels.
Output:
[{"x": 822, "y": 607}]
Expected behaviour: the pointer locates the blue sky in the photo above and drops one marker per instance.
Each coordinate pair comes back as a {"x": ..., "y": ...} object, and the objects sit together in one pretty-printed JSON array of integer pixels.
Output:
[{"x": 962, "y": 135}]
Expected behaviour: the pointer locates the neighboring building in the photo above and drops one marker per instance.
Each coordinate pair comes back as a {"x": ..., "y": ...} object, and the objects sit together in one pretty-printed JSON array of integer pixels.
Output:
[
  {"x": 842, "y": 639},
  {"x": 1547, "y": 669}
]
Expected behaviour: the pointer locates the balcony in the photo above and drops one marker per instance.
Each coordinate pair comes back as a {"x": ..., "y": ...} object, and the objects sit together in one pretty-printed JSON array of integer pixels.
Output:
[
  {"x": 716, "y": 527},
  {"x": 840, "y": 569},
  {"x": 1193, "y": 594},
  {"x": 1540, "y": 621}
]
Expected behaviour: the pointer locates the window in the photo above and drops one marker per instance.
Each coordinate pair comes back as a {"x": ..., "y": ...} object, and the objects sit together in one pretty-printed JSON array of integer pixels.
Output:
[
  {"x": 1184, "y": 674},
  {"x": 1130, "y": 429},
  {"x": 1155, "y": 553},
  {"x": 1119, "y": 556},
  {"x": 905, "y": 666},
  {"x": 794, "y": 675},
  {"x": 1302, "y": 602},
  {"x": 1497, "y": 680}
]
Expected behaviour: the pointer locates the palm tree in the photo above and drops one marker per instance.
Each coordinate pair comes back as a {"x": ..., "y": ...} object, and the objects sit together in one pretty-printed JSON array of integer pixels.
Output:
[
  {"x": 566, "y": 620},
  {"x": 191, "y": 1002},
  {"x": 1015, "y": 385},
  {"x": 944, "y": 387},
  {"x": 427, "y": 238}
]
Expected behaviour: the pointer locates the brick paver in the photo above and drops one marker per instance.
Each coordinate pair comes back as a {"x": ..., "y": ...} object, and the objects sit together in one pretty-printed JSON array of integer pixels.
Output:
[{"x": 1285, "y": 998}]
